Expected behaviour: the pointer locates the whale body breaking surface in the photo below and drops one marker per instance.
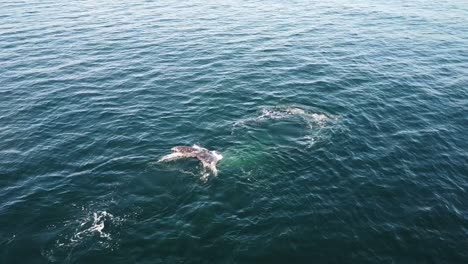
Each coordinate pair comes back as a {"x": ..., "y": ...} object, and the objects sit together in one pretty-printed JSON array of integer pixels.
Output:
[{"x": 208, "y": 158}]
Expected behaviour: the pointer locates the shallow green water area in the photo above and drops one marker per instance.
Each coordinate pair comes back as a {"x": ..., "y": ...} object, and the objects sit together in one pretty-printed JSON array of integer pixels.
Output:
[{"x": 342, "y": 125}]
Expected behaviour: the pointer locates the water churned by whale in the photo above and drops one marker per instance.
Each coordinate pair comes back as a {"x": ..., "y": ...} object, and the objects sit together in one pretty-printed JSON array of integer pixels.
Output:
[
  {"x": 208, "y": 158},
  {"x": 316, "y": 124},
  {"x": 277, "y": 113}
]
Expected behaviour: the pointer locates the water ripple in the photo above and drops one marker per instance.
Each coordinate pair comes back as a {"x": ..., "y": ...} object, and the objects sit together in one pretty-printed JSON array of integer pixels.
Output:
[{"x": 342, "y": 126}]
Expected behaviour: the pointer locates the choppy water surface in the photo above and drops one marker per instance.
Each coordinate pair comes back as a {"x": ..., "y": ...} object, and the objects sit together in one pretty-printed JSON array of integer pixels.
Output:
[{"x": 342, "y": 125}]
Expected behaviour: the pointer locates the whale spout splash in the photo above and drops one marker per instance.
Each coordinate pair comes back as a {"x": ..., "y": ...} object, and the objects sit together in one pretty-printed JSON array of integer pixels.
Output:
[{"x": 208, "y": 158}]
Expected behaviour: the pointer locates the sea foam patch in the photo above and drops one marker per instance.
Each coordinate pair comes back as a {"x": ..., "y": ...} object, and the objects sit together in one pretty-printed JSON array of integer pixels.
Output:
[
  {"x": 95, "y": 224},
  {"x": 277, "y": 113},
  {"x": 96, "y": 229},
  {"x": 315, "y": 123}
]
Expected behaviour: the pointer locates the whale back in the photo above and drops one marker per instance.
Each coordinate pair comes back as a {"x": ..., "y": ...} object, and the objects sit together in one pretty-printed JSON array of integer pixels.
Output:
[
  {"x": 184, "y": 149},
  {"x": 203, "y": 154}
]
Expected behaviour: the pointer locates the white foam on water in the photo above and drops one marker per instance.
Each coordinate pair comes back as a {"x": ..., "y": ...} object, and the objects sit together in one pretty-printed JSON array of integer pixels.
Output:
[
  {"x": 204, "y": 176},
  {"x": 273, "y": 114},
  {"x": 99, "y": 219},
  {"x": 278, "y": 113},
  {"x": 94, "y": 228},
  {"x": 315, "y": 123}
]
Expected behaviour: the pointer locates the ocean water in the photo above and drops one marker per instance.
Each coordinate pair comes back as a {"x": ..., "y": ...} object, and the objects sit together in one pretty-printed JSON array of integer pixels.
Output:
[{"x": 342, "y": 125}]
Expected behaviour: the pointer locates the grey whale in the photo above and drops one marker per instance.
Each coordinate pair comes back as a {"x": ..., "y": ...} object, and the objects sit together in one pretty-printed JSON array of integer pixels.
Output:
[{"x": 208, "y": 158}]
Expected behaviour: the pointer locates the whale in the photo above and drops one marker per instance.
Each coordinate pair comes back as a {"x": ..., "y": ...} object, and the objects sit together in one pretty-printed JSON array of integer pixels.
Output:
[{"x": 208, "y": 158}]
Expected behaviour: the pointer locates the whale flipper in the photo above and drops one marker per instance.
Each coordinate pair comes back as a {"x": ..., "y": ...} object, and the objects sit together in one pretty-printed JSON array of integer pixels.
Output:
[{"x": 171, "y": 157}]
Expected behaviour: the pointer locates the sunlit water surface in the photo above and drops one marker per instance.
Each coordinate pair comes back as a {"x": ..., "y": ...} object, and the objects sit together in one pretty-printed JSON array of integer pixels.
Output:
[{"x": 342, "y": 125}]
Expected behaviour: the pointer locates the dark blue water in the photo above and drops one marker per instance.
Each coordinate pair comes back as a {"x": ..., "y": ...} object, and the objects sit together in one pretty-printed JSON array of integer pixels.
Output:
[{"x": 342, "y": 125}]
